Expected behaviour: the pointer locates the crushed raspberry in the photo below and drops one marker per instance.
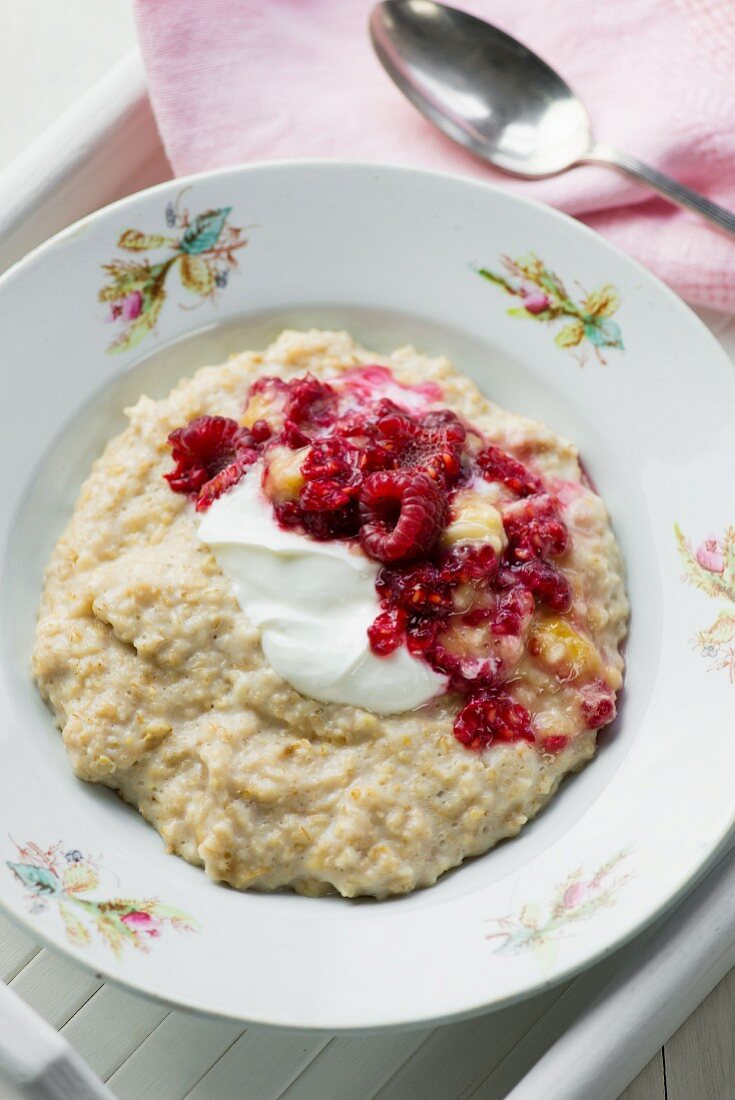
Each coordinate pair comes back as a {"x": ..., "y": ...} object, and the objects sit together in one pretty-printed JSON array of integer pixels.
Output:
[
  {"x": 211, "y": 454},
  {"x": 490, "y": 716},
  {"x": 597, "y": 705},
  {"x": 554, "y": 744},
  {"x": 513, "y": 612},
  {"x": 543, "y": 579},
  {"x": 292, "y": 436},
  {"x": 465, "y": 671},
  {"x": 310, "y": 402},
  {"x": 386, "y": 475},
  {"x": 535, "y": 529},
  {"x": 388, "y": 631},
  {"x": 324, "y": 525},
  {"x": 496, "y": 465},
  {"x": 401, "y": 514}
]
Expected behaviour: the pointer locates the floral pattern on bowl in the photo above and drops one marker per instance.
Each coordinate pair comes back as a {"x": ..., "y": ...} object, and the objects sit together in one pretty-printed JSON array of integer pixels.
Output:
[
  {"x": 203, "y": 252},
  {"x": 577, "y": 898},
  {"x": 544, "y": 297},
  {"x": 711, "y": 568},
  {"x": 54, "y": 876}
]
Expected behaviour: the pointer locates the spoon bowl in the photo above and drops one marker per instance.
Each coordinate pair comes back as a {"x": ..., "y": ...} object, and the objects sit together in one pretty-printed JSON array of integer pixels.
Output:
[
  {"x": 480, "y": 87},
  {"x": 492, "y": 95}
]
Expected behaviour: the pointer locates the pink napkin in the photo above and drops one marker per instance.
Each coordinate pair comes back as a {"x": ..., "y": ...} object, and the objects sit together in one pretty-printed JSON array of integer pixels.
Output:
[{"x": 234, "y": 81}]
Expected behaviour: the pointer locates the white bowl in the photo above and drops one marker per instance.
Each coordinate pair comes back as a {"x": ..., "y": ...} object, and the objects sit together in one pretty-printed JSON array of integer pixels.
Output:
[{"x": 392, "y": 255}]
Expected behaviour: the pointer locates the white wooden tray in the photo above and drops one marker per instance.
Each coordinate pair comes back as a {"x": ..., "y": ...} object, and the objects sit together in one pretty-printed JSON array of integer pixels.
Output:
[{"x": 586, "y": 1039}]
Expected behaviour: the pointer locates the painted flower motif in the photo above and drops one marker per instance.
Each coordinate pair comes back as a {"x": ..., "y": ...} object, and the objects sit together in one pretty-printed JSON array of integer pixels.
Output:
[
  {"x": 544, "y": 297},
  {"x": 710, "y": 556},
  {"x": 53, "y": 877},
  {"x": 142, "y": 922},
  {"x": 203, "y": 252},
  {"x": 579, "y": 897},
  {"x": 576, "y": 895},
  {"x": 711, "y": 568}
]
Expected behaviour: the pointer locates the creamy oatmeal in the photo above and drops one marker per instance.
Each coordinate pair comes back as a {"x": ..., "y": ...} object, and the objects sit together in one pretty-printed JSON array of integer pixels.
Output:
[{"x": 368, "y": 530}]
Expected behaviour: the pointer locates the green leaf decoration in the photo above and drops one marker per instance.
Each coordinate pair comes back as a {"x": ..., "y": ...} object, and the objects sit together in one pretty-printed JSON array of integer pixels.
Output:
[
  {"x": 197, "y": 275},
  {"x": 602, "y": 302},
  {"x": 204, "y": 231},
  {"x": 498, "y": 280},
  {"x": 78, "y": 878},
  {"x": 570, "y": 335},
  {"x": 38, "y": 879},
  {"x": 126, "y": 276},
  {"x": 135, "y": 241},
  {"x": 176, "y": 916},
  {"x": 114, "y": 932},
  {"x": 552, "y": 284},
  {"x": 139, "y": 329},
  {"x": 76, "y": 930},
  {"x": 728, "y": 551},
  {"x": 721, "y": 632},
  {"x": 603, "y": 333}
]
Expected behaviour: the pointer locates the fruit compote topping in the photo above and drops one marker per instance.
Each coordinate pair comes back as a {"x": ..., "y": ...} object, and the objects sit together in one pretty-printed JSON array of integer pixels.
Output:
[{"x": 469, "y": 540}]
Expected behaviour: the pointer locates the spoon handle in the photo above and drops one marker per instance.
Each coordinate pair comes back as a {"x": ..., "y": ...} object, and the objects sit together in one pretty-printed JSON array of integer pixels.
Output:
[{"x": 670, "y": 189}]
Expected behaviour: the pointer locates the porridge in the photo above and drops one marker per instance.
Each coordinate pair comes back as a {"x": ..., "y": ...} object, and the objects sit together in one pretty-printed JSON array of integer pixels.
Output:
[{"x": 332, "y": 620}]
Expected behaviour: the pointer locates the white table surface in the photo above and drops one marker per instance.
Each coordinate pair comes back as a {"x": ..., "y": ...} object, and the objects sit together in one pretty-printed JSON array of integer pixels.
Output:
[{"x": 55, "y": 49}]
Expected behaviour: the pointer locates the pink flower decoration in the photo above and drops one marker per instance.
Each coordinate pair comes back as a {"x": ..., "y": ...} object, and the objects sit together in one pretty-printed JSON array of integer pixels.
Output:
[
  {"x": 132, "y": 305},
  {"x": 535, "y": 302},
  {"x": 141, "y": 922},
  {"x": 710, "y": 556},
  {"x": 576, "y": 895}
]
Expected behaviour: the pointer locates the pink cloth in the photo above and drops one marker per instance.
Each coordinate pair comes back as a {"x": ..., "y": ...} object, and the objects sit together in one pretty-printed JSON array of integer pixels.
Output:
[{"x": 234, "y": 81}]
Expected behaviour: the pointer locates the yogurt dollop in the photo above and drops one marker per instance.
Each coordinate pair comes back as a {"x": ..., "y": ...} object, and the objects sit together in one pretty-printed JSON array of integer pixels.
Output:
[{"x": 313, "y": 603}]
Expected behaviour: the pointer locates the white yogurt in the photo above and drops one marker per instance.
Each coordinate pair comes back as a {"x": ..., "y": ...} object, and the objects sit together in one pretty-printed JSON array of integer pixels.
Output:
[{"x": 313, "y": 603}]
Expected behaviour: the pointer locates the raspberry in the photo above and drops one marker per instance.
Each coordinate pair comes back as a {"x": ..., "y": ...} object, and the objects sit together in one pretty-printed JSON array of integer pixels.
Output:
[
  {"x": 338, "y": 523},
  {"x": 421, "y": 635},
  {"x": 546, "y": 582},
  {"x": 333, "y": 459},
  {"x": 534, "y": 528},
  {"x": 261, "y": 431},
  {"x": 497, "y": 465},
  {"x": 448, "y": 422},
  {"x": 219, "y": 484},
  {"x": 489, "y": 716},
  {"x": 467, "y": 563},
  {"x": 310, "y": 401},
  {"x": 292, "y": 436},
  {"x": 401, "y": 512},
  {"x": 512, "y": 612},
  {"x": 269, "y": 384},
  {"x": 332, "y": 477},
  {"x": 387, "y": 632},
  {"x": 323, "y": 496},
  {"x": 211, "y": 454},
  {"x": 418, "y": 589},
  {"x": 598, "y": 705}
]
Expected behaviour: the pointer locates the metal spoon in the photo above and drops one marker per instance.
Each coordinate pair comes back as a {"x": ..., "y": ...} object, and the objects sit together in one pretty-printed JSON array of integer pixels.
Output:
[{"x": 495, "y": 97}]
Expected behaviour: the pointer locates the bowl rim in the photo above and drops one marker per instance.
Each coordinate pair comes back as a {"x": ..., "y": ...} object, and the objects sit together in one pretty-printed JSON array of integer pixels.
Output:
[{"x": 24, "y": 266}]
